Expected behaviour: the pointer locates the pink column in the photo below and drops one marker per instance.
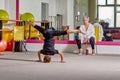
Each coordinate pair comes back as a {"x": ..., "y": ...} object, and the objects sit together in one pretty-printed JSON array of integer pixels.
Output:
[{"x": 17, "y": 11}]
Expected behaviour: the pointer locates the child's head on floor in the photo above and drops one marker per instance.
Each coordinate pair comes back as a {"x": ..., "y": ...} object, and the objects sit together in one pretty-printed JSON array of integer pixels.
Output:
[{"x": 47, "y": 59}]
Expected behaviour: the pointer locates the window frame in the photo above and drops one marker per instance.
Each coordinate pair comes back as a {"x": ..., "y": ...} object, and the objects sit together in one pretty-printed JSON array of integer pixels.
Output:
[{"x": 115, "y": 5}]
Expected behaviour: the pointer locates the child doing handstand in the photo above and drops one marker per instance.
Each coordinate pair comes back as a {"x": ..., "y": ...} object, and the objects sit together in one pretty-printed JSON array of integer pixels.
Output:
[{"x": 48, "y": 47}]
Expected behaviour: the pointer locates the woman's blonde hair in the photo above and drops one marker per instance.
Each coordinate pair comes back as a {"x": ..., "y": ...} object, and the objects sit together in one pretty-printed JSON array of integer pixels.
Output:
[{"x": 86, "y": 17}]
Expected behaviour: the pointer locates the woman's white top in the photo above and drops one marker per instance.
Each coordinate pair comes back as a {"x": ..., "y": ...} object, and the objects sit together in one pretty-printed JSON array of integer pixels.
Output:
[{"x": 89, "y": 32}]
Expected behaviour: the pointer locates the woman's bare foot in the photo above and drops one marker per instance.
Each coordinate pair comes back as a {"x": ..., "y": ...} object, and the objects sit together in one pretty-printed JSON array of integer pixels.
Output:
[
  {"x": 80, "y": 52},
  {"x": 93, "y": 52},
  {"x": 62, "y": 61}
]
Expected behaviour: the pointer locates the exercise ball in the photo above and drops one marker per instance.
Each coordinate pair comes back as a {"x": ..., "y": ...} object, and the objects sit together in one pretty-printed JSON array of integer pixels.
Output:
[
  {"x": 7, "y": 34},
  {"x": 29, "y": 17},
  {"x": 9, "y": 45},
  {"x": 3, "y": 45},
  {"x": 4, "y": 16}
]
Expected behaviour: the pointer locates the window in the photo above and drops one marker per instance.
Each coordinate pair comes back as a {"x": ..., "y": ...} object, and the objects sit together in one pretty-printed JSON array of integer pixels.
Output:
[
  {"x": 118, "y": 20},
  {"x": 110, "y": 1},
  {"x": 101, "y": 2},
  {"x": 118, "y": 9},
  {"x": 107, "y": 16},
  {"x": 109, "y": 11},
  {"x": 118, "y": 16},
  {"x": 118, "y": 1},
  {"x": 44, "y": 11}
]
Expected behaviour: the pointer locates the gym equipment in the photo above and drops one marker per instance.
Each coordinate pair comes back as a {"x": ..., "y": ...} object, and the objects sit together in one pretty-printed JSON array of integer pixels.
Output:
[
  {"x": 7, "y": 34},
  {"x": 18, "y": 38},
  {"x": 0, "y": 29},
  {"x": 9, "y": 45},
  {"x": 29, "y": 31},
  {"x": 27, "y": 17},
  {"x": 3, "y": 45},
  {"x": 4, "y": 15}
]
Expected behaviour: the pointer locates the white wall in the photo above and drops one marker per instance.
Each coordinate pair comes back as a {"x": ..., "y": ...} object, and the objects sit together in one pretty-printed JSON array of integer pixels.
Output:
[
  {"x": 60, "y": 47},
  {"x": 61, "y": 8},
  {"x": 66, "y": 8},
  {"x": 10, "y": 7},
  {"x": 82, "y": 6},
  {"x": 70, "y": 16},
  {"x": 2, "y": 4},
  {"x": 35, "y": 7},
  {"x": 108, "y": 49},
  {"x": 99, "y": 49}
]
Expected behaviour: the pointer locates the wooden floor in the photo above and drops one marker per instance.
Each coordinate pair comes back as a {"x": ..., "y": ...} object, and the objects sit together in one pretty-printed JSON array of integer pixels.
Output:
[{"x": 23, "y": 66}]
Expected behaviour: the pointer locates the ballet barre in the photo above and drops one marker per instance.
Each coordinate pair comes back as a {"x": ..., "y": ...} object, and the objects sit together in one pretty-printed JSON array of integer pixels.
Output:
[{"x": 37, "y": 21}]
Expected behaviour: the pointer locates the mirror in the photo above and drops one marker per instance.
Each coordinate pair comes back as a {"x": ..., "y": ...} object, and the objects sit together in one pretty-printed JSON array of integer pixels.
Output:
[{"x": 53, "y": 7}]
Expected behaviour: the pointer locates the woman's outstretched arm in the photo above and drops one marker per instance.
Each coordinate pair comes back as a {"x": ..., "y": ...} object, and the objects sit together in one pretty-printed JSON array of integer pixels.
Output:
[{"x": 75, "y": 31}]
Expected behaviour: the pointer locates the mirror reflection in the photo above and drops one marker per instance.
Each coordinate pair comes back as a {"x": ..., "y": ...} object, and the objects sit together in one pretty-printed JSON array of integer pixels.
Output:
[{"x": 68, "y": 14}]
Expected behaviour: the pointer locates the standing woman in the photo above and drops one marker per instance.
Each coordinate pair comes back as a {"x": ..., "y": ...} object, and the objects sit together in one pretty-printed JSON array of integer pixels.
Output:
[{"x": 90, "y": 34}]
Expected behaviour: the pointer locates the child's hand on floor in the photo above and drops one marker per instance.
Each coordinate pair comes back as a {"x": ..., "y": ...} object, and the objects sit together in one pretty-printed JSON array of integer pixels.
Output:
[{"x": 39, "y": 60}]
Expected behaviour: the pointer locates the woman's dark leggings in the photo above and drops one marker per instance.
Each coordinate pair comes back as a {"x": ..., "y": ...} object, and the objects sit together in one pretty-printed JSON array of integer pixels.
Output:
[
  {"x": 91, "y": 40},
  {"x": 78, "y": 43}
]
